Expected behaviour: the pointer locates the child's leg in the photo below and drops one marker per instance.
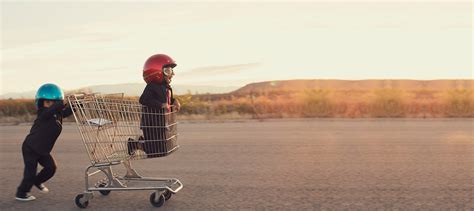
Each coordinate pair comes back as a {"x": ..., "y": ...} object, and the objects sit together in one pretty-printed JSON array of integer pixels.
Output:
[
  {"x": 30, "y": 159},
  {"x": 151, "y": 136},
  {"x": 148, "y": 136},
  {"x": 49, "y": 168}
]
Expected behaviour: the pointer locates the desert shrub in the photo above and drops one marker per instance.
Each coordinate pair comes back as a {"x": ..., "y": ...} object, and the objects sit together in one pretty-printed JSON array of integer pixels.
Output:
[
  {"x": 459, "y": 103},
  {"x": 12, "y": 108},
  {"x": 190, "y": 105},
  {"x": 316, "y": 103},
  {"x": 387, "y": 103}
]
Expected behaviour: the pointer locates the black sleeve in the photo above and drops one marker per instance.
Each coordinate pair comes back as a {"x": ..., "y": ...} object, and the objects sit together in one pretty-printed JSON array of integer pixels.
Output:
[
  {"x": 152, "y": 96},
  {"x": 48, "y": 112},
  {"x": 67, "y": 111}
]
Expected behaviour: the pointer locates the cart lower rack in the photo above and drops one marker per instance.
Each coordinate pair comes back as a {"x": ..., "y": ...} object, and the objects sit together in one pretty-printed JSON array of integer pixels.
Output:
[{"x": 116, "y": 131}]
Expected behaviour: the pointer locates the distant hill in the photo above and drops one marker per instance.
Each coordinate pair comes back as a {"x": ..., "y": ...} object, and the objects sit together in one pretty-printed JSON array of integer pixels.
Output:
[
  {"x": 131, "y": 89},
  {"x": 135, "y": 89},
  {"x": 19, "y": 95},
  {"x": 298, "y": 85}
]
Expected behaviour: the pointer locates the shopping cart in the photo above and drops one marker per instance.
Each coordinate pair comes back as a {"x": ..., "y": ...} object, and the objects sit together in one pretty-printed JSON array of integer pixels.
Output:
[{"x": 115, "y": 131}]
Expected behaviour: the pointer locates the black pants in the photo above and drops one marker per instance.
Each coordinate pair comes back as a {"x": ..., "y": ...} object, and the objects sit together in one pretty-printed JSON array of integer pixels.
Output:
[
  {"x": 155, "y": 142},
  {"x": 30, "y": 178}
]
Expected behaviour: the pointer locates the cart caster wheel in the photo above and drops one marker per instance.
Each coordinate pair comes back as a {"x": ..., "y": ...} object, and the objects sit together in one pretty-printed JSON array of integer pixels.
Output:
[
  {"x": 79, "y": 203},
  {"x": 167, "y": 194},
  {"x": 157, "y": 203},
  {"x": 104, "y": 192}
]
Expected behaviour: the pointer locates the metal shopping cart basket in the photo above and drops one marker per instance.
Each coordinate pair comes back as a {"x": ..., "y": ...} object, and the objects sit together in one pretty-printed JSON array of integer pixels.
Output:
[{"x": 117, "y": 130}]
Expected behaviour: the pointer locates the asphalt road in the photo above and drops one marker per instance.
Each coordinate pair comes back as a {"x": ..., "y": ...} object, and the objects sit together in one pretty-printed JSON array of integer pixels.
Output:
[{"x": 306, "y": 164}]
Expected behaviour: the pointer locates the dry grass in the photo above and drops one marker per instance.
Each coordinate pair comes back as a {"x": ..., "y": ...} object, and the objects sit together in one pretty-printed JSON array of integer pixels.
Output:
[
  {"x": 317, "y": 103},
  {"x": 308, "y": 103},
  {"x": 459, "y": 103},
  {"x": 388, "y": 103}
]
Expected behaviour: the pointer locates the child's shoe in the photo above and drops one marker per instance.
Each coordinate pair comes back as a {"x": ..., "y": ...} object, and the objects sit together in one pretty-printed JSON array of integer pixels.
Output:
[
  {"x": 42, "y": 188},
  {"x": 24, "y": 197}
]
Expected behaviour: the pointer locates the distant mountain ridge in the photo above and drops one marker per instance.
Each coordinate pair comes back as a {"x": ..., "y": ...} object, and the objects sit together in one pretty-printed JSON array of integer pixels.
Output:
[
  {"x": 131, "y": 89},
  {"x": 362, "y": 85},
  {"x": 135, "y": 89}
]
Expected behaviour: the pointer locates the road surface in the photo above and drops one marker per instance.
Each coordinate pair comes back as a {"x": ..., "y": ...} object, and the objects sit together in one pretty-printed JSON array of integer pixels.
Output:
[{"x": 287, "y": 164}]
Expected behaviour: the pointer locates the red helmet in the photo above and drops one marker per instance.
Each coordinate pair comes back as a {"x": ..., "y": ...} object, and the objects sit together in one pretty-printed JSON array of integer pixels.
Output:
[{"x": 153, "y": 68}]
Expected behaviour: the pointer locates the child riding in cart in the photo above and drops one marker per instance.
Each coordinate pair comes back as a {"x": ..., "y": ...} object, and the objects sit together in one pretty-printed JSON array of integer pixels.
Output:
[
  {"x": 156, "y": 98},
  {"x": 115, "y": 129}
]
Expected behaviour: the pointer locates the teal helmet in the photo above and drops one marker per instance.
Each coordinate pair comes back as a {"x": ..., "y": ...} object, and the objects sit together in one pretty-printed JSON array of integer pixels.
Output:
[{"x": 48, "y": 92}]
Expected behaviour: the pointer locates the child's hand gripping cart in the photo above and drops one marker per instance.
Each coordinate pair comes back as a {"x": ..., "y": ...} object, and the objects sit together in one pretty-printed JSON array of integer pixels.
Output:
[{"x": 115, "y": 131}]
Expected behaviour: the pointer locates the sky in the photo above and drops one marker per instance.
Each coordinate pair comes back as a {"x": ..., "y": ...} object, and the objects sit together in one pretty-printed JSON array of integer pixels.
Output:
[{"x": 78, "y": 44}]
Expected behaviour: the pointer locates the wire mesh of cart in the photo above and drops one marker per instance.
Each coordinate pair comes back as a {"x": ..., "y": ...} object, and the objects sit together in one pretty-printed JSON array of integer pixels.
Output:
[{"x": 116, "y": 130}]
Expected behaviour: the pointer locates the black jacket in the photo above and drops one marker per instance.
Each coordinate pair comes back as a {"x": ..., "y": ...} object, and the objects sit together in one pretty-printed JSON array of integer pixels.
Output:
[
  {"x": 46, "y": 128},
  {"x": 153, "y": 97}
]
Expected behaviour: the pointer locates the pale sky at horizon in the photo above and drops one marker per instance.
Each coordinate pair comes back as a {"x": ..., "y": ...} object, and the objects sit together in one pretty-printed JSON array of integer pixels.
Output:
[{"x": 92, "y": 43}]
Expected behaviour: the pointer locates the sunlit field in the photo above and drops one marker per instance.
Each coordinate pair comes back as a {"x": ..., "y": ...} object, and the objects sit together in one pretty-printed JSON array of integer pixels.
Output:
[{"x": 306, "y": 103}]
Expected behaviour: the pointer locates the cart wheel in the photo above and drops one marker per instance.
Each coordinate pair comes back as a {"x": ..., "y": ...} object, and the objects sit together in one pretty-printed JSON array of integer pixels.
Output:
[
  {"x": 159, "y": 202},
  {"x": 167, "y": 194},
  {"x": 104, "y": 192},
  {"x": 79, "y": 203}
]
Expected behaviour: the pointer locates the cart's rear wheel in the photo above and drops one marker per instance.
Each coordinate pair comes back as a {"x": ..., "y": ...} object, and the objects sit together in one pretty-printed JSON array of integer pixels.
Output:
[
  {"x": 104, "y": 192},
  {"x": 157, "y": 202},
  {"x": 167, "y": 194},
  {"x": 81, "y": 203}
]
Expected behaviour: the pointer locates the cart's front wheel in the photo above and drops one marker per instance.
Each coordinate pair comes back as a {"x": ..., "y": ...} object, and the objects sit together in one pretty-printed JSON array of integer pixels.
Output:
[
  {"x": 167, "y": 194},
  {"x": 157, "y": 202},
  {"x": 80, "y": 201},
  {"x": 104, "y": 192}
]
